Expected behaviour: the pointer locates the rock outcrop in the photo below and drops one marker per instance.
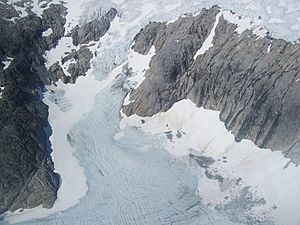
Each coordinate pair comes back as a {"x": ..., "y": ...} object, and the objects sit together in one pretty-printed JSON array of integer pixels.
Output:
[
  {"x": 94, "y": 30},
  {"x": 253, "y": 81},
  {"x": 27, "y": 177},
  {"x": 78, "y": 62}
]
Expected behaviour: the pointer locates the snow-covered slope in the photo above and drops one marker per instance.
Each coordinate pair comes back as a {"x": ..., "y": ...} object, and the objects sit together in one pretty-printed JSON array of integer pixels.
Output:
[
  {"x": 232, "y": 168},
  {"x": 130, "y": 178}
]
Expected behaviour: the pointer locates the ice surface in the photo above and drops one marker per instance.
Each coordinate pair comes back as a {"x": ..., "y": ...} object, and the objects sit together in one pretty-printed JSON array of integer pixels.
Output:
[
  {"x": 129, "y": 184},
  {"x": 266, "y": 172},
  {"x": 131, "y": 178}
]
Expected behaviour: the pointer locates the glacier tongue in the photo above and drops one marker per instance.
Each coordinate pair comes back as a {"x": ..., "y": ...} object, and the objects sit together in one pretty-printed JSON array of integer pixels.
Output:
[{"x": 133, "y": 180}]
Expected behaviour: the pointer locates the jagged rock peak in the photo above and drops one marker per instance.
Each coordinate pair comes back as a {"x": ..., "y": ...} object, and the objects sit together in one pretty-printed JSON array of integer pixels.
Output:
[{"x": 252, "y": 80}]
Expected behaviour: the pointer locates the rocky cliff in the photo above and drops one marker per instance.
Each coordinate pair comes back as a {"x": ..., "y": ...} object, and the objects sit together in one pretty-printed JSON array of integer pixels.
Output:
[
  {"x": 27, "y": 177},
  {"x": 253, "y": 81},
  {"x": 83, "y": 37}
]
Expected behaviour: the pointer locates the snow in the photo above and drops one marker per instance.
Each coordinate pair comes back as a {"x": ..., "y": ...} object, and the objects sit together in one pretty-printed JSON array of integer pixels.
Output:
[
  {"x": 139, "y": 64},
  {"x": 207, "y": 44},
  {"x": 21, "y": 10},
  {"x": 171, "y": 7},
  {"x": 252, "y": 6},
  {"x": 124, "y": 175},
  {"x": 129, "y": 183},
  {"x": 1, "y": 90},
  {"x": 7, "y": 63},
  {"x": 276, "y": 20},
  {"x": 245, "y": 23},
  {"x": 269, "y": 48},
  {"x": 47, "y": 32},
  {"x": 67, "y": 105},
  {"x": 65, "y": 45},
  {"x": 36, "y": 7},
  {"x": 269, "y": 9},
  {"x": 266, "y": 172}
]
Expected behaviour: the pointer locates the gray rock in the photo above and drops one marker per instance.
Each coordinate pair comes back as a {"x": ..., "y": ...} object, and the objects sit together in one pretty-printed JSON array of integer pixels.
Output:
[
  {"x": 256, "y": 91},
  {"x": 54, "y": 18},
  {"x": 93, "y": 30},
  {"x": 82, "y": 35},
  {"x": 56, "y": 72},
  {"x": 27, "y": 177},
  {"x": 83, "y": 57}
]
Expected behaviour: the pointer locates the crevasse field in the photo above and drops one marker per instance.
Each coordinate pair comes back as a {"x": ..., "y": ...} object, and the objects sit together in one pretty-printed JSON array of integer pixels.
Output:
[{"x": 118, "y": 170}]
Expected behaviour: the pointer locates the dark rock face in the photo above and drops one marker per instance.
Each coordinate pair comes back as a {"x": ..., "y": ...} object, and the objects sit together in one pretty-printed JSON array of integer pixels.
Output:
[
  {"x": 83, "y": 58},
  {"x": 27, "y": 177},
  {"x": 93, "y": 30},
  {"x": 257, "y": 91},
  {"x": 82, "y": 64},
  {"x": 26, "y": 169}
]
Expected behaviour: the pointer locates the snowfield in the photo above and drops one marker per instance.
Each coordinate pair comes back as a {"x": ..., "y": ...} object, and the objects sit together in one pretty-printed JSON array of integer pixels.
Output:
[
  {"x": 119, "y": 170},
  {"x": 189, "y": 130}
]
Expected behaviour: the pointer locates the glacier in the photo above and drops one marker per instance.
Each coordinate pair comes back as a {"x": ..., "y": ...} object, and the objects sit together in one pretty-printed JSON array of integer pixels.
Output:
[{"x": 134, "y": 179}]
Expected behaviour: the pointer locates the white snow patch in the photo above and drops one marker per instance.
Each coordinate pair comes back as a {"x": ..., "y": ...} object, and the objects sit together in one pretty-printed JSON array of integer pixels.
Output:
[
  {"x": 35, "y": 8},
  {"x": 269, "y": 48},
  {"x": 282, "y": 3},
  {"x": 252, "y": 6},
  {"x": 245, "y": 23},
  {"x": 207, "y": 44},
  {"x": 117, "y": 1},
  {"x": 65, "y": 46},
  {"x": 139, "y": 64},
  {"x": 171, "y": 7},
  {"x": 1, "y": 89},
  {"x": 269, "y": 9},
  {"x": 261, "y": 169},
  {"x": 296, "y": 26},
  {"x": 47, "y": 32},
  {"x": 21, "y": 10},
  {"x": 276, "y": 20},
  {"x": 7, "y": 63}
]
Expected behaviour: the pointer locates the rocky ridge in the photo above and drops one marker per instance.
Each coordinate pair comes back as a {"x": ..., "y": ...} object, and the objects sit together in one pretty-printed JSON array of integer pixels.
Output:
[
  {"x": 253, "y": 81},
  {"x": 83, "y": 36},
  {"x": 27, "y": 177},
  {"x": 27, "y": 172}
]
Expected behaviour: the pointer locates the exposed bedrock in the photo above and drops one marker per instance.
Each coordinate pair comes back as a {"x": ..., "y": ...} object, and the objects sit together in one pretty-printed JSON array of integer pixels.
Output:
[
  {"x": 94, "y": 30},
  {"x": 252, "y": 81},
  {"x": 27, "y": 177},
  {"x": 84, "y": 36}
]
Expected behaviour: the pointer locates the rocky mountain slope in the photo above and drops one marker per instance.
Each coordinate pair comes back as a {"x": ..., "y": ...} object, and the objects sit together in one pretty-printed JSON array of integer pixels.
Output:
[
  {"x": 252, "y": 80},
  {"x": 27, "y": 177}
]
